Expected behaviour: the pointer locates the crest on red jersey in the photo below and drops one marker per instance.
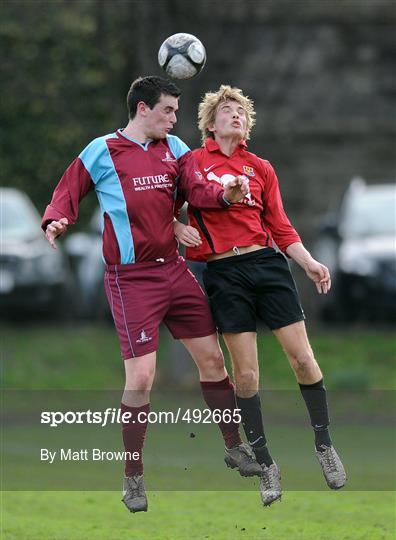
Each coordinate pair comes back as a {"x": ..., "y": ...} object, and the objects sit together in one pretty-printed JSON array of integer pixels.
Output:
[{"x": 249, "y": 171}]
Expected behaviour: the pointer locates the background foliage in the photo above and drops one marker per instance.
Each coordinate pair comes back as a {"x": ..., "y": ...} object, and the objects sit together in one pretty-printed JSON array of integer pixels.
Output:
[{"x": 319, "y": 72}]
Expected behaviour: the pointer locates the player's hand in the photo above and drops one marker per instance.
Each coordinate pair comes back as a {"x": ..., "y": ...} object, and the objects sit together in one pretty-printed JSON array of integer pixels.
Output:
[
  {"x": 320, "y": 275},
  {"x": 236, "y": 189},
  {"x": 55, "y": 229},
  {"x": 187, "y": 235}
]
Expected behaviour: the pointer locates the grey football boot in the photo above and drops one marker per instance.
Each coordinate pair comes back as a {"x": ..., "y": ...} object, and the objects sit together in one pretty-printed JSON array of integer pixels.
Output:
[
  {"x": 241, "y": 457},
  {"x": 332, "y": 467},
  {"x": 134, "y": 494},
  {"x": 270, "y": 484}
]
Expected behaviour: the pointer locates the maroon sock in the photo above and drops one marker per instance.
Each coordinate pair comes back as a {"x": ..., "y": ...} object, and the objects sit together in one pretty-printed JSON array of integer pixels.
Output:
[
  {"x": 221, "y": 395},
  {"x": 133, "y": 433}
]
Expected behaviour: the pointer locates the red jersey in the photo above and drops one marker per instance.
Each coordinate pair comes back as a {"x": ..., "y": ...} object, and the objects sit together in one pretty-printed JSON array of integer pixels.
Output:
[{"x": 257, "y": 220}]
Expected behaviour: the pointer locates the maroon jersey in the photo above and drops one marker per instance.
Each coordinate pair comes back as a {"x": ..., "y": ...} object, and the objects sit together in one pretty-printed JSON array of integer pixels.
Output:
[{"x": 136, "y": 186}]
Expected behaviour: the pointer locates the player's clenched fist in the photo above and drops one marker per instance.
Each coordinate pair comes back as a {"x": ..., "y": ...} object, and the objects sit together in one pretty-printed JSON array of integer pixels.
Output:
[
  {"x": 55, "y": 229},
  {"x": 236, "y": 189}
]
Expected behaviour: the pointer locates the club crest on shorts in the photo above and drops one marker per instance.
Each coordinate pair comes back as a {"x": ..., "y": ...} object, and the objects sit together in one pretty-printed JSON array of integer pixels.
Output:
[
  {"x": 249, "y": 171},
  {"x": 144, "y": 338}
]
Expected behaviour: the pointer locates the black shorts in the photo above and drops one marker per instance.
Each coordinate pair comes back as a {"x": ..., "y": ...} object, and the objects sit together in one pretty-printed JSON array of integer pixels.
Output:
[{"x": 256, "y": 285}]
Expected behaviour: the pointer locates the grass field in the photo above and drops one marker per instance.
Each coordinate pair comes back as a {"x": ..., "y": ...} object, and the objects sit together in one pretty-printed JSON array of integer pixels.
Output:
[
  {"x": 201, "y": 515},
  {"x": 359, "y": 369},
  {"x": 87, "y": 357}
]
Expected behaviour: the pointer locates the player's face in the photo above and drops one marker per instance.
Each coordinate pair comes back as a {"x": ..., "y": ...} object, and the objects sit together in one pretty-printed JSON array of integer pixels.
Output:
[
  {"x": 160, "y": 120},
  {"x": 230, "y": 121}
]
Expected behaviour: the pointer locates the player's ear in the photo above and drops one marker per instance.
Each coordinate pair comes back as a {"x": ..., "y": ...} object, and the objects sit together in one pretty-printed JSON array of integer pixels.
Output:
[{"x": 141, "y": 108}]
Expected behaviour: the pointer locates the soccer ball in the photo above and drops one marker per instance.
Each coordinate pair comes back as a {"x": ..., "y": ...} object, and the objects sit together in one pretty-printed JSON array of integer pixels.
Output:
[{"x": 182, "y": 56}]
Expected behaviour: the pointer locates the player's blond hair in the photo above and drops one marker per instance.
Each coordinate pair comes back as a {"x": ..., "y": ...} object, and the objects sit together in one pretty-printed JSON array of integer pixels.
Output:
[{"x": 210, "y": 102}]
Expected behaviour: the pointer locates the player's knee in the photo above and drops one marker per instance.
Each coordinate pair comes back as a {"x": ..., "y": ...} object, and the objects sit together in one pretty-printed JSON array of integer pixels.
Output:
[
  {"x": 213, "y": 364},
  {"x": 246, "y": 379},
  {"x": 303, "y": 361},
  {"x": 217, "y": 359},
  {"x": 141, "y": 381}
]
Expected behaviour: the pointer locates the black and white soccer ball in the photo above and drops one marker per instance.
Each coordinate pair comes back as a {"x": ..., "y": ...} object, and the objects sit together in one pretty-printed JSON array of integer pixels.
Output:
[{"x": 182, "y": 56}]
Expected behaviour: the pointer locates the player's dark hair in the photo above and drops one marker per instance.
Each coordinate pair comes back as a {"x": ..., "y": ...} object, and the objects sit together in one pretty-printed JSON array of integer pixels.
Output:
[{"x": 149, "y": 90}]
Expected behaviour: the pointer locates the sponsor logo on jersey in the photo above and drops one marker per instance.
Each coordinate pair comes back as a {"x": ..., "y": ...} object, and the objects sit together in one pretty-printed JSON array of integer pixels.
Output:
[
  {"x": 142, "y": 183},
  {"x": 249, "y": 200},
  {"x": 207, "y": 169},
  {"x": 248, "y": 170},
  {"x": 223, "y": 180},
  {"x": 144, "y": 338},
  {"x": 168, "y": 157},
  {"x": 147, "y": 180}
]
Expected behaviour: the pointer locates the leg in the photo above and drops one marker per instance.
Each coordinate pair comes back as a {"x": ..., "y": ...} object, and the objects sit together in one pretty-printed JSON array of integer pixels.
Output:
[
  {"x": 189, "y": 319},
  {"x": 208, "y": 357},
  {"x": 217, "y": 389},
  {"x": 243, "y": 350},
  {"x": 218, "y": 392},
  {"x": 294, "y": 341},
  {"x": 139, "y": 376}
]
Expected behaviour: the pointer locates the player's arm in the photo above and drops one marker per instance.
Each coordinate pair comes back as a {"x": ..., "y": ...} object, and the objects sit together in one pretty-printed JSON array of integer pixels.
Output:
[
  {"x": 274, "y": 214},
  {"x": 55, "y": 229},
  {"x": 286, "y": 236},
  {"x": 63, "y": 208},
  {"x": 202, "y": 194},
  {"x": 319, "y": 273},
  {"x": 185, "y": 234}
]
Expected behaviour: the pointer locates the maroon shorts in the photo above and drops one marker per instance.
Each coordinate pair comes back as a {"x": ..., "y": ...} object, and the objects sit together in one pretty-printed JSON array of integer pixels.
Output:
[{"x": 142, "y": 295}]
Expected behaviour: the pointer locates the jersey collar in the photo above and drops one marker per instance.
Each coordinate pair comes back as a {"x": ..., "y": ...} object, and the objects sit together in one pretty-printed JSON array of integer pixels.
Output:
[
  {"x": 142, "y": 145},
  {"x": 212, "y": 146}
]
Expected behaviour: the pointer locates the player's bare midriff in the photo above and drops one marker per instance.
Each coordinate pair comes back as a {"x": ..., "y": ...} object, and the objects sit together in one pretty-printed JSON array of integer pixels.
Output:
[{"x": 236, "y": 250}]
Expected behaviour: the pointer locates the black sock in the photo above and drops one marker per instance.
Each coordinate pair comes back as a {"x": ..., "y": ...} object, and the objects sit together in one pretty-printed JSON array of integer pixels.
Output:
[
  {"x": 315, "y": 399},
  {"x": 252, "y": 422}
]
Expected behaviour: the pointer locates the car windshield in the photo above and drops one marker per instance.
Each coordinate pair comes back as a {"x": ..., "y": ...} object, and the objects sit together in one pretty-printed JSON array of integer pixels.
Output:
[
  {"x": 371, "y": 213},
  {"x": 18, "y": 217}
]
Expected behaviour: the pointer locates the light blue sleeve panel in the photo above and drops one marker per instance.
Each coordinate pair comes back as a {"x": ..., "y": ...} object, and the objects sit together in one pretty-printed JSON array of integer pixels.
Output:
[
  {"x": 97, "y": 160},
  {"x": 95, "y": 157},
  {"x": 177, "y": 146}
]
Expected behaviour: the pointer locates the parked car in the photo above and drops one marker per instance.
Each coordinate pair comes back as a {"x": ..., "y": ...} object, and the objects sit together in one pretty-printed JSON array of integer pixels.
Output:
[
  {"x": 33, "y": 276},
  {"x": 85, "y": 252},
  {"x": 358, "y": 244}
]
